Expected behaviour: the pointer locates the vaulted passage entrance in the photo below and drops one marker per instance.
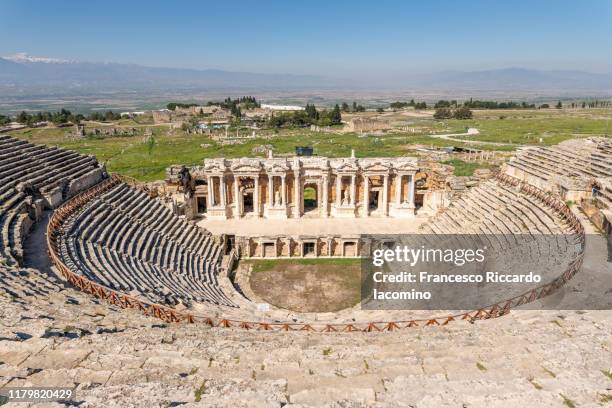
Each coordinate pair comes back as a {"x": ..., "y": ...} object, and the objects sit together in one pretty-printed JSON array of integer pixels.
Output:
[
  {"x": 311, "y": 198},
  {"x": 247, "y": 197},
  {"x": 373, "y": 200}
]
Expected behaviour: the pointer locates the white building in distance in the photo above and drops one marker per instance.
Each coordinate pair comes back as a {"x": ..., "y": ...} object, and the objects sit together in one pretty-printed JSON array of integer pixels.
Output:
[{"x": 282, "y": 107}]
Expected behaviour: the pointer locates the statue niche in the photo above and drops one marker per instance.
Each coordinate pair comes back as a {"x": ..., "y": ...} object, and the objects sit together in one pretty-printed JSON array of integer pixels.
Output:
[
  {"x": 346, "y": 198},
  {"x": 277, "y": 198}
]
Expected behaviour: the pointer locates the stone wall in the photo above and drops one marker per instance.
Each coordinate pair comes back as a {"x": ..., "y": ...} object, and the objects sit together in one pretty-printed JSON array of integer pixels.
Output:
[{"x": 85, "y": 181}]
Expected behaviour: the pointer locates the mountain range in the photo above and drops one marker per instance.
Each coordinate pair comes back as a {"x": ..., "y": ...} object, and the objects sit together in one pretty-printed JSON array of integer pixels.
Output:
[
  {"x": 26, "y": 71},
  {"x": 22, "y": 74}
]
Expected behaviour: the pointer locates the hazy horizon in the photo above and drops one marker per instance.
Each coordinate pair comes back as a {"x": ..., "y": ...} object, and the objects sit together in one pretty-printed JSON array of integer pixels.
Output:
[{"x": 349, "y": 40}]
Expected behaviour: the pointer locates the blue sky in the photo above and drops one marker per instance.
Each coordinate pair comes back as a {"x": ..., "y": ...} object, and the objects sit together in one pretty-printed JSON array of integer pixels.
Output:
[{"x": 335, "y": 38}]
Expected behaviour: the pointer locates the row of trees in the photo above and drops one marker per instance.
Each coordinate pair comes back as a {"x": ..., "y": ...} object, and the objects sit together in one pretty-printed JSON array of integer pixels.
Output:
[
  {"x": 353, "y": 108},
  {"x": 309, "y": 116},
  {"x": 245, "y": 102},
  {"x": 412, "y": 103},
  {"x": 477, "y": 104},
  {"x": 235, "y": 105},
  {"x": 61, "y": 117},
  {"x": 401, "y": 105},
  {"x": 104, "y": 116},
  {"x": 173, "y": 105},
  {"x": 459, "y": 113},
  {"x": 484, "y": 104},
  {"x": 591, "y": 104}
]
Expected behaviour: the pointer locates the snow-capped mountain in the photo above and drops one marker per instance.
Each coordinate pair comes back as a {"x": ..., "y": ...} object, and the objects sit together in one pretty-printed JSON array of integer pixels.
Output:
[
  {"x": 24, "y": 57},
  {"x": 22, "y": 73}
]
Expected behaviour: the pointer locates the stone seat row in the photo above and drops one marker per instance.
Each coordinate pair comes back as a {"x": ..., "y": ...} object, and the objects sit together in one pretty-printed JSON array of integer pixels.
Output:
[
  {"x": 179, "y": 245},
  {"x": 144, "y": 243},
  {"x": 606, "y": 196},
  {"x": 157, "y": 217},
  {"x": 501, "y": 214},
  {"x": 44, "y": 169},
  {"x": 32, "y": 171},
  {"x": 506, "y": 210},
  {"x": 28, "y": 173},
  {"x": 11, "y": 221},
  {"x": 127, "y": 241},
  {"x": 551, "y": 250},
  {"x": 134, "y": 276},
  {"x": 558, "y": 161},
  {"x": 24, "y": 284}
]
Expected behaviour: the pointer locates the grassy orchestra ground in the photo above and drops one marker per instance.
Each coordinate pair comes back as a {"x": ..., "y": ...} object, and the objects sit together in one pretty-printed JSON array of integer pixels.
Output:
[{"x": 308, "y": 285}]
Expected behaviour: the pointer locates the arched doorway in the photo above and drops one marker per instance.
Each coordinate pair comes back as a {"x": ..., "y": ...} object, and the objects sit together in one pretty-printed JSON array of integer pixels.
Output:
[
  {"x": 247, "y": 203},
  {"x": 311, "y": 198},
  {"x": 248, "y": 196}
]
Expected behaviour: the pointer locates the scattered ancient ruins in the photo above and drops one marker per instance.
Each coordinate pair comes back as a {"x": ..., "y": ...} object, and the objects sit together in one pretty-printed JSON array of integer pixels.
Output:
[
  {"x": 136, "y": 296},
  {"x": 366, "y": 125}
]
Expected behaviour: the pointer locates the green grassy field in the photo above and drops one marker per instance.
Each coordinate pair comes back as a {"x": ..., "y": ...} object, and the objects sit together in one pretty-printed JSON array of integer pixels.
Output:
[
  {"x": 147, "y": 162},
  {"x": 527, "y": 127},
  {"x": 267, "y": 264},
  {"x": 463, "y": 168}
]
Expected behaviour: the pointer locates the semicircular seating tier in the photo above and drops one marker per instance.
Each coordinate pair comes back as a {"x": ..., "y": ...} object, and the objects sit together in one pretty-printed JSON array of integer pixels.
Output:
[
  {"x": 123, "y": 239},
  {"x": 34, "y": 178},
  {"x": 522, "y": 231},
  {"x": 131, "y": 243},
  {"x": 570, "y": 165}
]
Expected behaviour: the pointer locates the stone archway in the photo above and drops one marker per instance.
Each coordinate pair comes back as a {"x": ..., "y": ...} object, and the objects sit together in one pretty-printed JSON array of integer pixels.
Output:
[
  {"x": 310, "y": 197},
  {"x": 248, "y": 201}
]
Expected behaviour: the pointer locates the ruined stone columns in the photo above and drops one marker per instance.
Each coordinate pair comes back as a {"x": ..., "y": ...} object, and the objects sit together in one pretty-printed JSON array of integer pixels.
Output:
[
  {"x": 338, "y": 190},
  {"x": 283, "y": 190},
  {"x": 256, "y": 199},
  {"x": 209, "y": 196},
  {"x": 325, "y": 194},
  {"x": 222, "y": 191},
  {"x": 411, "y": 196},
  {"x": 270, "y": 190},
  {"x": 398, "y": 190},
  {"x": 385, "y": 195},
  {"x": 237, "y": 196},
  {"x": 353, "y": 189},
  {"x": 366, "y": 196},
  {"x": 297, "y": 194}
]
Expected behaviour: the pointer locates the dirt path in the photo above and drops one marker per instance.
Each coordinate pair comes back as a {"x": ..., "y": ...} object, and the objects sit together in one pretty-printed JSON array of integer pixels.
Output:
[{"x": 470, "y": 132}]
